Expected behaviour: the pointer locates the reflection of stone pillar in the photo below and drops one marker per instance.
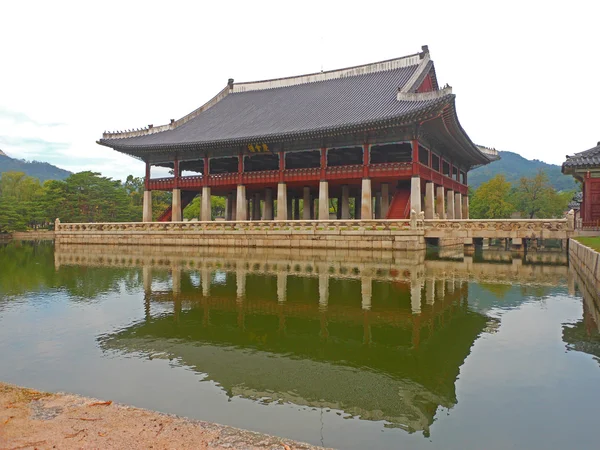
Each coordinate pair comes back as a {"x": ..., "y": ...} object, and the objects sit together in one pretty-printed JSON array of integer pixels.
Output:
[
  {"x": 323, "y": 200},
  {"x": 256, "y": 207},
  {"x": 206, "y": 204},
  {"x": 176, "y": 206},
  {"x": 385, "y": 199},
  {"x": 450, "y": 285},
  {"x": 465, "y": 207},
  {"x": 282, "y": 201},
  {"x": 415, "y": 194},
  {"x": 366, "y": 204},
  {"x": 429, "y": 200},
  {"x": 366, "y": 290},
  {"x": 240, "y": 280},
  {"x": 440, "y": 203},
  {"x": 176, "y": 280},
  {"x": 281, "y": 287},
  {"x": 205, "y": 281},
  {"x": 345, "y": 206},
  {"x": 268, "y": 208},
  {"x": 415, "y": 294},
  {"x": 241, "y": 211},
  {"x": 457, "y": 205},
  {"x": 439, "y": 289},
  {"x": 450, "y": 204},
  {"x": 147, "y": 208},
  {"x": 430, "y": 291},
  {"x": 306, "y": 203},
  {"x": 323, "y": 290},
  {"x": 147, "y": 279}
]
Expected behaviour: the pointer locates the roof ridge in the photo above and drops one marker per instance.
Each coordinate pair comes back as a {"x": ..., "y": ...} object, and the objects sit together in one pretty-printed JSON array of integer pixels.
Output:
[{"x": 380, "y": 66}]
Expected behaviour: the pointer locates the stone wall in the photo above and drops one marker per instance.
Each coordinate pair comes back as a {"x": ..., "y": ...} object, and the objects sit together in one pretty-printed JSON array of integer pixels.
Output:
[
  {"x": 336, "y": 234},
  {"x": 586, "y": 263},
  {"x": 33, "y": 235}
]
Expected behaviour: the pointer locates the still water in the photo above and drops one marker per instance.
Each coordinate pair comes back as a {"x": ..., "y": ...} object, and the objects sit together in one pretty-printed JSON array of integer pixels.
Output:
[{"x": 342, "y": 350}]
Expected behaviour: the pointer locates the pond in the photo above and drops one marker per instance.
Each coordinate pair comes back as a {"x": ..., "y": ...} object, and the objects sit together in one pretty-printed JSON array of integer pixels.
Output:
[{"x": 347, "y": 350}]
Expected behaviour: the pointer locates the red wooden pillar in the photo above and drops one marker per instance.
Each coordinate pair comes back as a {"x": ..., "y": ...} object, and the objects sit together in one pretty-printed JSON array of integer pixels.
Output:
[
  {"x": 240, "y": 167},
  {"x": 176, "y": 173},
  {"x": 323, "y": 162},
  {"x": 281, "y": 165},
  {"x": 205, "y": 174},
  {"x": 366, "y": 161},
  {"x": 415, "y": 156},
  {"x": 147, "y": 180},
  {"x": 587, "y": 203}
]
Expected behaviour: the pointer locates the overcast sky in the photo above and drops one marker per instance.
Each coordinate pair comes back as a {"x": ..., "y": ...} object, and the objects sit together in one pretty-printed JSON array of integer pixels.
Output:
[{"x": 525, "y": 73}]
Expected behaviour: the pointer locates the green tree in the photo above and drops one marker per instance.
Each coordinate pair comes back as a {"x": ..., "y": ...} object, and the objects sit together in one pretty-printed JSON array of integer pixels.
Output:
[
  {"x": 492, "y": 200},
  {"x": 535, "y": 197}
]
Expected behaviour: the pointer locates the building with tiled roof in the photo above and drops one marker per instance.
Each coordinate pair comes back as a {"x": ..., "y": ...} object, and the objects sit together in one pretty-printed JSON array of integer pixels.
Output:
[
  {"x": 585, "y": 167},
  {"x": 384, "y": 132}
]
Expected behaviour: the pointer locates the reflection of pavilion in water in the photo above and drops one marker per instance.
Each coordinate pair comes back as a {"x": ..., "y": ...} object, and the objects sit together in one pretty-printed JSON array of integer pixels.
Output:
[{"x": 381, "y": 336}]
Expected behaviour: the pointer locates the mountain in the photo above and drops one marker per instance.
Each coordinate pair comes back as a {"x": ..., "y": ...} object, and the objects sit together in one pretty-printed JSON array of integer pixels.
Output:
[
  {"x": 41, "y": 170},
  {"x": 514, "y": 167}
]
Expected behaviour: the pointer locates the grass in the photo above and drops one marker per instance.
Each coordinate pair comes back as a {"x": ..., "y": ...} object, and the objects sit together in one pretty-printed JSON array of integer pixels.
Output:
[{"x": 593, "y": 242}]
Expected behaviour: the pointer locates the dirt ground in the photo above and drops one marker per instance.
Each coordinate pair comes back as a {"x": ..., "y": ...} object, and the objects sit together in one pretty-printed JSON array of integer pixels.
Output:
[{"x": 35, "y": 420}]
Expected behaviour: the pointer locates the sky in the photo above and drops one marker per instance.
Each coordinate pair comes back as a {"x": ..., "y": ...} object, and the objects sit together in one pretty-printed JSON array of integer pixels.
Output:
[{"x": 525, "y": 73}]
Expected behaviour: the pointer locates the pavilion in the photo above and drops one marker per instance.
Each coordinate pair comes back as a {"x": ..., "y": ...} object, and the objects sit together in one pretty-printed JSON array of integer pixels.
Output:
[
  {"x": 384, "y": 134},
  {"x": 585, "y": 167}
]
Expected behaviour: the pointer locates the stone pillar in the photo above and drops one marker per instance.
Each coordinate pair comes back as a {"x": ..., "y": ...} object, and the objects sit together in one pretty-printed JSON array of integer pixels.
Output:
[
  {"x": 366, "y": 205},
  {"x": 323, "y": 291},
  {"x": 385, "y": 200},
  {"x": 296, "y": 208},
  {"x": 306, "y": 203},
  {"x": 429, "y": 199},
  {"x": 366, "y": 291},
  {"x": 440, "y": 203},
  {"x": 228, "y": 207},
  {"x": 282, "y": 201},
  {"x": 457, "y": 205},
  {"x": 176, "y": 206},
  {"x": 378, "y": 205},
  {"x": 450, "y": 204},
  {"x": 465, "y": 207},
  {"x": 415, "y": 194},
  {"x": 147, "y": 208},
  {"x": 323, "y": 200},
  {"x": 281, "y": 287},
  {"x": 345, "y": 206},
  {"x": 241, "y": 212},
  {"x": 268, "y": 208},
  {"x": 233, "y": 205},
  {"x": 206, "y": 204},
  {"x": 357, "y": 208},
  {"x": 256, "y": 207}
]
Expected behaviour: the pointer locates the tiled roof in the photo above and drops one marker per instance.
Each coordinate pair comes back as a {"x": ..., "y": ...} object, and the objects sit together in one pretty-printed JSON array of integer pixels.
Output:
[
  {"x": 590, "y": 158},
  {"x": 290, "y": 106}
]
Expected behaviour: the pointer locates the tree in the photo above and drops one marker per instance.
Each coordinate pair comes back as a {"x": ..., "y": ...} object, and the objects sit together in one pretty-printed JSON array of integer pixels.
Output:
[
  {"x": 535, "y": 198},
  {"x": 492, "y": 200}
]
